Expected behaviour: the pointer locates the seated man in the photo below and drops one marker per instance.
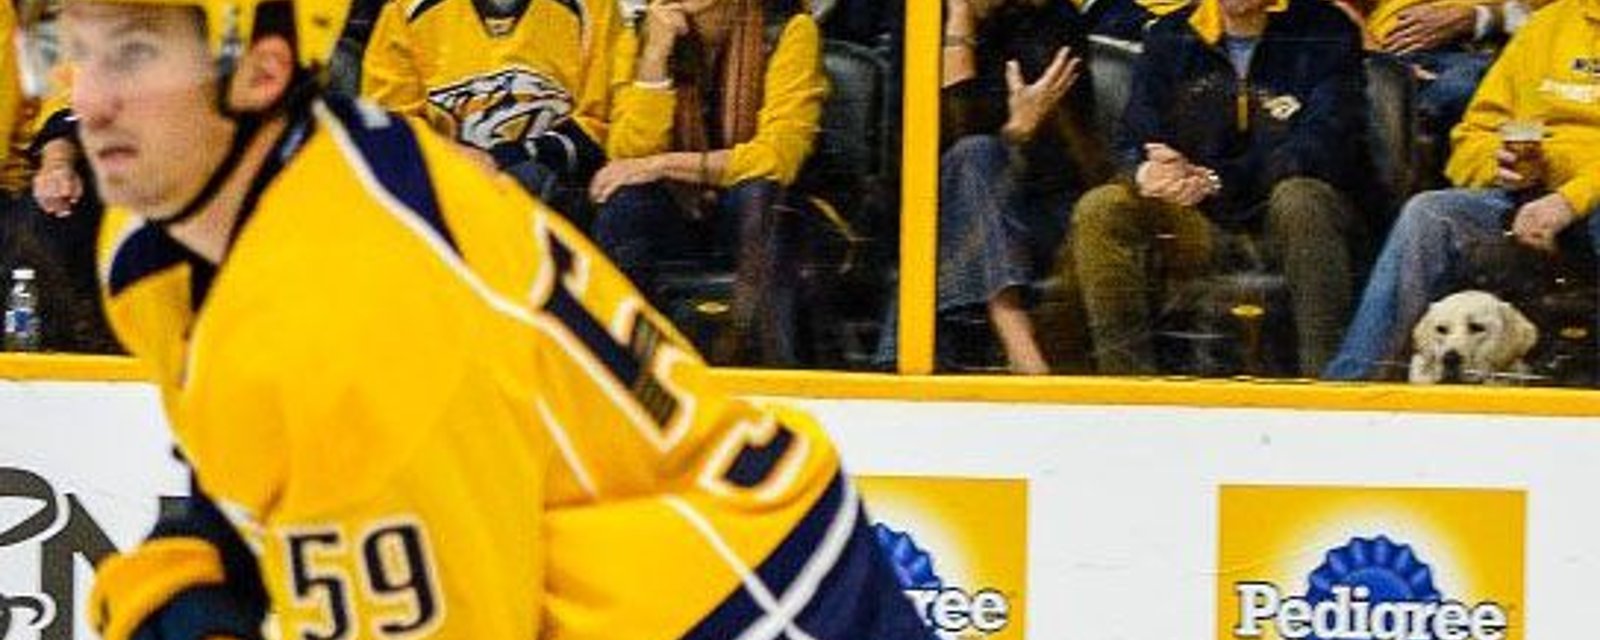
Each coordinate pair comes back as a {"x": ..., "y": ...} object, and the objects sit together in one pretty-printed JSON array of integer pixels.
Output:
[
  {"x": 1245, "y": 116},
  {"x": 521, "y": 84},
  {"x": 1017, "y": 151},
  {"x": 1547, "y": 74}
]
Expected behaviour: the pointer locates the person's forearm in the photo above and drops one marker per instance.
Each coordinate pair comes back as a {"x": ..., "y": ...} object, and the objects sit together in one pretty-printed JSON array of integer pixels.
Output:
[
  {"x": 58, "y": 151},
  {"x": 693, "y": 167},
  {"x": 960, "y": 49}
]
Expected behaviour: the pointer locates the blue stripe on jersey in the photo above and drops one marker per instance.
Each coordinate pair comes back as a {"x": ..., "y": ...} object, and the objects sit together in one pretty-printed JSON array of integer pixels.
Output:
[
  {"x": 145, "y": 253},
  {"x": 588, "y": 330},
  {"x": 755, "y": 464},
  {"x": 860, "y": 599},
  {"x": 392, "y": 156},
  {"x": 777, "y": 571}
]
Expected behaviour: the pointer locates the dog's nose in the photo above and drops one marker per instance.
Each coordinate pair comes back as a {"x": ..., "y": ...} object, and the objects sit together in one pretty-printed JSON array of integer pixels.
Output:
[{"x": 1452, "y": 366}]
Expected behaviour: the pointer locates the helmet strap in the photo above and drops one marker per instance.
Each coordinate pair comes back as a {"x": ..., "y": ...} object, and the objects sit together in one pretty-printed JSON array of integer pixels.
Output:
[{"x": 246, "y": 125}]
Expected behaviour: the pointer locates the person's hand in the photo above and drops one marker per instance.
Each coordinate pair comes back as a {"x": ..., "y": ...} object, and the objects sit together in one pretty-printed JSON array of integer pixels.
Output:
[
  {"x": 1168, "y": 176},
  {"x": 622, "y": 173},
  {"x": 1538, "y": 222},
  {"x": 1533, "y": 169},
  {"x": 57, "y": 187},
  {"x": 1030, "y": 104},
  {"x": 664, "y": 22},
  {"x": 1429, "y": 26}
]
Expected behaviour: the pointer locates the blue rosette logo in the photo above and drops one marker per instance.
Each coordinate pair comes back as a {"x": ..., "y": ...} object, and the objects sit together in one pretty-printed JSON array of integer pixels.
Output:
[
  {"x": 948, "y": 609},
  {"x": 1367, "y": 589}
]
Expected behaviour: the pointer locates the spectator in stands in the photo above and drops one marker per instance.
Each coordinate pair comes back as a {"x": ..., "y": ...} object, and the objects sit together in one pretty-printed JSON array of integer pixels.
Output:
[
  {"x": 1448, "y": 43},
  {"x": 717, "y": 106},
  {"x": 1549, "y": 73},
  {"x": 521, "y": 84},
  {"x": 59, "y": 248},
  {"x": 1017, "y": 151},
  {"x": 1245, "y": 116}
]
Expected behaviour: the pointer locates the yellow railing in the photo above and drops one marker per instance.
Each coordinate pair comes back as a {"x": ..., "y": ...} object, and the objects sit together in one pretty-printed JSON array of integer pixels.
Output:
[
  {"x": 919, "y": 228},
  {"x": 1276, "y": 394}
]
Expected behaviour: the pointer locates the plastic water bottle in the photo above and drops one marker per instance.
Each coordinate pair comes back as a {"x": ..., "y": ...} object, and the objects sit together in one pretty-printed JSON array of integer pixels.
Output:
[{"x": 22, "y": 312}]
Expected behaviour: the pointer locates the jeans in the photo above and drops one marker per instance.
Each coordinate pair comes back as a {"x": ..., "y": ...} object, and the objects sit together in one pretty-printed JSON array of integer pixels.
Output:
[
  {"x": 1119, "y": 238},
  {"x": 995, "y": 233},
  {"x": 1442, "y": 102},
  {"x": 1426, "y": 257},
  {"x": 642, "y": 228}
]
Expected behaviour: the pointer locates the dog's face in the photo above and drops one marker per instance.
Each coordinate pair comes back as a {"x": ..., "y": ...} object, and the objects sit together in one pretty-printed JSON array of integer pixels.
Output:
[{"x": 1468, "y": 337}]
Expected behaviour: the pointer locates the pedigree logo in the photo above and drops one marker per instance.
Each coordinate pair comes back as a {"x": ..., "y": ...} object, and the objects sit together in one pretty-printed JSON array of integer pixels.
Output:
[
  {"x": 959, "y": 548},
  {"x": 1331, "y": 563}
]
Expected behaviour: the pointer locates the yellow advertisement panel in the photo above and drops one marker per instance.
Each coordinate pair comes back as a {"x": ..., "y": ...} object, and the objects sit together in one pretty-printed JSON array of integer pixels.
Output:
[
  {"x": 1370, "y": 563},
  {"x": 959, "y": 546}
]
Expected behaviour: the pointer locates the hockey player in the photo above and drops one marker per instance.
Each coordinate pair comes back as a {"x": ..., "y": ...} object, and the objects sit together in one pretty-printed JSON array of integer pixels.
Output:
[
  {"x": 522, "y": 84},
  {"x": 416, "y": 402}
]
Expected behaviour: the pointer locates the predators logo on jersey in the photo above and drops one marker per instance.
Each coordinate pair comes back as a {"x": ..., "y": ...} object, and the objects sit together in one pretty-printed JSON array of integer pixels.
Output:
[{"x": 507, "y": 106}]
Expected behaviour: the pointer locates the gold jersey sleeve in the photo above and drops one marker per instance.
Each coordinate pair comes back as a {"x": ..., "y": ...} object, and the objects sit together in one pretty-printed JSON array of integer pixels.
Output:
[{"x": 436, "y": 411}]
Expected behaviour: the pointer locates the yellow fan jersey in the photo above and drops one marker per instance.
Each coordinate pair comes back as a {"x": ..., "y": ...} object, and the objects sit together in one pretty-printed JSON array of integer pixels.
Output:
[
  {"x": 522, "y": 81},
  {"x": 432, "y": 409},
  {"x": 15, "y": 112}
]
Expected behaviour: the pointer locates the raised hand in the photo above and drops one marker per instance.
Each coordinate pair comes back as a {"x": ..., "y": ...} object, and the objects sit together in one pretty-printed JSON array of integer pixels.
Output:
[{"x": 1030, "y": 104}]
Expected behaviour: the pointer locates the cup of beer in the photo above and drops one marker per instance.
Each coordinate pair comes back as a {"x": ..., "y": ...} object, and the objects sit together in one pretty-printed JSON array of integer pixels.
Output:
[{"x": 1525, "y": 140}]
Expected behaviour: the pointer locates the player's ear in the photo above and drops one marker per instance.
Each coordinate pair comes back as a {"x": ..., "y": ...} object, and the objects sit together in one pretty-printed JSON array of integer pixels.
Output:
[{"x": 264, "y": 74}]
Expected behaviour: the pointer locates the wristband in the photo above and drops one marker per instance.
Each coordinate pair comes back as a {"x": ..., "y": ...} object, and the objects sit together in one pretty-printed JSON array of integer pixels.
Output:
[{"x": 960, "y": 40}]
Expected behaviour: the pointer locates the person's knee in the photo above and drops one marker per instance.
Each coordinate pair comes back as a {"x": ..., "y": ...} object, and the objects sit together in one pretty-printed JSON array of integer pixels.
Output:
[
  {"x": 1425, "y": 212},
  {"x": 1303, "y": 193},
  {"x": 980, "y": 154},
  {"x": 618, "y": 219},
  {"x": 1102, "y": 213},
  {"x": 1304, "y": 207}
]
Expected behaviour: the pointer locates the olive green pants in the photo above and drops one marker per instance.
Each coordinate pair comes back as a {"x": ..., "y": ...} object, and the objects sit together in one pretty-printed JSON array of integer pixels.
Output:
[{"x": 1129, "y": 250}]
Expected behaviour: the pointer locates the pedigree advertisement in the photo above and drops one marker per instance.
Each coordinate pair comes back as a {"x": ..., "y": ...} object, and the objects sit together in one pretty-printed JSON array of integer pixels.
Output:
[
  {"x": 959, "y": 547},
  {"x": 1336, "y": 563}
]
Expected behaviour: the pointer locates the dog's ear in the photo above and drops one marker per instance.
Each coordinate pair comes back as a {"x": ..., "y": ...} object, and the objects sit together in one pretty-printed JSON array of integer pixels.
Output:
[
  {"x": 1521, "y": 335},
  {"x": 1422, "y": 334}
]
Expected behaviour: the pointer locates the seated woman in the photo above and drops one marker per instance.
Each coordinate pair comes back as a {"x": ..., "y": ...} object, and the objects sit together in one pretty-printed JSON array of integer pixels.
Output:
[
  {"x": 1017, "y": 149},
  {"x": 716, "y": 106}
]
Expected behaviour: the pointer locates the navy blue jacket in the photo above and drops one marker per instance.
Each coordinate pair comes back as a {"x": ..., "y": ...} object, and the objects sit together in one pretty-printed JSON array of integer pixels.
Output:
[{"x": 1304, "y": 109}]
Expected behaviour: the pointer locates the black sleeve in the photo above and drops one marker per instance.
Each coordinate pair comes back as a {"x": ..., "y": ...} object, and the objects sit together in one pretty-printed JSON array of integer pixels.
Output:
[
  {"x": 60, "y": 124},
  {"x": 1151, "y": 94},
  {"x": 1327, "y": 133},
  {"x": 565, "y": 149},
  {"x": 234, "y": 609}
]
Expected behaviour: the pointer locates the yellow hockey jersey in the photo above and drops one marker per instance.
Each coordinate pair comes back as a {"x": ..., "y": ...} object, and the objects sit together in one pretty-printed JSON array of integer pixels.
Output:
[
  {"x": 16, "y": 113},
  {"x": 437, "y": 412},
  {"x": 520, "y": 82}
]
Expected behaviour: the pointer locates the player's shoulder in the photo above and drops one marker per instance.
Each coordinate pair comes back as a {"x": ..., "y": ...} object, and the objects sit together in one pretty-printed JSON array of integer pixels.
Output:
[{"x": 132, "y": 251}]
